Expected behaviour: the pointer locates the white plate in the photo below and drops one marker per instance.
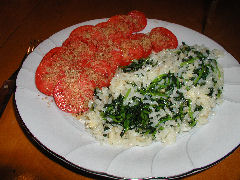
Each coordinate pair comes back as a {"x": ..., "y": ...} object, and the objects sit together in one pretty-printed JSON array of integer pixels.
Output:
[{"x": 65, "y": 140}]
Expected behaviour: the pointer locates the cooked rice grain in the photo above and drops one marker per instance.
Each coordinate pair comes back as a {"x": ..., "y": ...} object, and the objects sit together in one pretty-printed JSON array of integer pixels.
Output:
[{"x": 202, "y": 93}]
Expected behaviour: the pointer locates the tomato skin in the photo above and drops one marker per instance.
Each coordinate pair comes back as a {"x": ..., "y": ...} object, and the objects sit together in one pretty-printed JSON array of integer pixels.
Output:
[
  {"x": 44, "y": 84},
  {"x": 75, "y": 48},
  {"x": 110, "y": 52},
  {"x": 131, "y": 50},
  {"x": 111, "y": 30},
  {"x": 85, "y": 32},
  {"x": 145, "y": 42},
  {"x": 45, "y": 79},
  {"x": 101, "y": 67},
  {"x": 135, "y": 20},
  {"x": 121, "y": 23},
  {"x": 98, "y": 79},
  {"x": 101, "y": 74},
  {"x": 138, "y": 20},
  {"x": 104, "y": 31},
  {"x": 162, "y": 38},
  {"x": 73, "y": 94}
]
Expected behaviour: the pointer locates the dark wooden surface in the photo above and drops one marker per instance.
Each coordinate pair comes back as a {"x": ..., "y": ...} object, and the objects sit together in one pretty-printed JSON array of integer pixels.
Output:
[{"x": 24, "y": 20}]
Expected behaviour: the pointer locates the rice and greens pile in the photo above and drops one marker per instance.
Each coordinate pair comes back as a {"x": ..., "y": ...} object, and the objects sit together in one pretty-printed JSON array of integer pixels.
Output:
[{"x": 155, "y": 99}]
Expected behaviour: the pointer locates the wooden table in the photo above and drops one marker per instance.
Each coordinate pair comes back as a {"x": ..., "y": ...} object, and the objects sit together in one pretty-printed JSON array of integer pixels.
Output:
[{"x": 22, "y": 21}]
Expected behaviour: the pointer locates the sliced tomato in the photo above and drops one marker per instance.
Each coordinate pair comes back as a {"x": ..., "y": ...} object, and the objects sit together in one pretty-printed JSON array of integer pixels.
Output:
[
  {"x": 99, "y": 72},
  {"x": 109, "y": 51},
  {"x": 131, "y": 50},
  {"x": 113, "y": 29},
  {"x": 120, "y": 22},
  {"x": 97, "y": 78},
  {"x": 144, "y": 41},
  {"x": 75, "y": 48},
  {"x": 101, "y": 24},
  {"x": 102, "y": 32},
  {"x": 101, "y": 67},
  {"x": 85, "y": 33},
  {"x": 50, "y": 71},
  {"x": 137, "y": 20},
  {"x": 51, "y": 55},
  {"x": 162, "y": 38},
  {"x": 106, "y": 31},
  {"x": 73, "y": 93}
]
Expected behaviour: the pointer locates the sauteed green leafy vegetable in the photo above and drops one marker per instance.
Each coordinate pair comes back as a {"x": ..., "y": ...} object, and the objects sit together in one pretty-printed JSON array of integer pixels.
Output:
[{"x": 165, "y": 93}]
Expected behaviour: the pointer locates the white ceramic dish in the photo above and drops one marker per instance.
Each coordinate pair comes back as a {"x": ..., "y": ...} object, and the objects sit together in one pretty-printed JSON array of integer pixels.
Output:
[{"x": 65, "y": 140}]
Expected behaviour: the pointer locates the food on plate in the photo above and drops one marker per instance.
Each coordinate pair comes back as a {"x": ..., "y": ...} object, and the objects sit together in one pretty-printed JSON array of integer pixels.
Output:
[
  {"x": 157, "y": 98},
  {"x": 145, "y": 43},
  {"x": 162, "y": 38},
  {"x": 95, "y": 52},
  {"x": 85, "y": 33},
  {"x": 135, "y": 20},
  {"x": 132, "y": 88},
  {"x": 49, "y": 71},
  {"x": 73, "y": 92}
]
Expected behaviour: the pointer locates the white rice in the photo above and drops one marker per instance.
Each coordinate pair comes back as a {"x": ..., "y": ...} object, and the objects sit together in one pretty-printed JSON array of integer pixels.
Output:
[{"x": 165, "y": 61}]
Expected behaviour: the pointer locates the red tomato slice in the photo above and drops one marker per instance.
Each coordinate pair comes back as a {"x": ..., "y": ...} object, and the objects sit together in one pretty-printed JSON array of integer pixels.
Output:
[
  {"x": 110, "y": 52},
  {"x": 85, "y": 32},
  {"x": 131, "y": 49},
  {"x": 144, "y": 41},
  {"x": 101, "y": 67},
  {"x": 99, "y": 73},
  {"x": 75, "y": 48},
  {"x": 162, "y": 38},
  {"x": 97, "y": 78},
  {"x": 73, "y": 93},
  {"x": 137, "y": 20},
  {"x": 50, "y": 71},
  {"x": 106, "y": 31},
  {"x": 120, "y": 22}
]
